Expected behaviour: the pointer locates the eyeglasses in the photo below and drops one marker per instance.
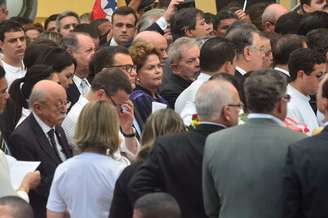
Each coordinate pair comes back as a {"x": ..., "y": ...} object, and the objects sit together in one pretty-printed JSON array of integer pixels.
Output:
[
  {"x": 128, "y": 67},
  {"x": 239, "y": 105},
  {"x": 286, "y": 98}
]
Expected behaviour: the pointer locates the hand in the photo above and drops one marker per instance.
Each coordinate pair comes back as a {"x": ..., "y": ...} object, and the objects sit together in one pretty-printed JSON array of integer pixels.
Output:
[
  {"x": 242, "y": 16},
  {"x": 30, "y": 181},
  {"x": 171, "y": 9},
  {"x": 126, "y": 117}
]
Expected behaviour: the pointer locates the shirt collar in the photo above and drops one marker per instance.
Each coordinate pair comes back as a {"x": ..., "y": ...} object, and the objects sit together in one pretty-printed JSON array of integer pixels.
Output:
[
  {"x": 241, "y": 71},
  {"x": 113, "y": 42},
  {"x": 282, "y": 70},
  {"x": 212, "y": 123},
  {"x": 294, "y": 92},
  {"x": 45, "y": 128},
  {"x": 265, "y": 116},
  {"x": 203, "y": 77}
]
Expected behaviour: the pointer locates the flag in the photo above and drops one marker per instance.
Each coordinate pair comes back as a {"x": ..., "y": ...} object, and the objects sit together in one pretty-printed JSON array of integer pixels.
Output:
[{"x": 103, "y": 9}]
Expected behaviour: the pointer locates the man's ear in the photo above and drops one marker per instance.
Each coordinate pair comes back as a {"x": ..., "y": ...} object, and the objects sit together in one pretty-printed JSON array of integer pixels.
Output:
[
  {"x": 306, "y": 8},
  {"x": 247, "y": 53},
  {"x": 268, "y": 27},
  {"x": 188, "y": 32},
  {"x": 300, "y": 74}
]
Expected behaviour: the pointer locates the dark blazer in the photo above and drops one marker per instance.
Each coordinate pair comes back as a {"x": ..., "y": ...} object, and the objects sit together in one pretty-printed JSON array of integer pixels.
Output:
[
  {"x": 29, "y": 143},
  {"x": 175, "y": 166},
  {"x": 73, "y": 94},
  {"x": 307, "y": 178},
  {"x": 156, "y": 28},
  {"x": 171, "y": 89}
]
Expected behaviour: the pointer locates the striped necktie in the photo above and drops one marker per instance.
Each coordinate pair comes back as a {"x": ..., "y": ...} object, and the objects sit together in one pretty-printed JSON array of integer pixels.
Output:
[{"x": 3, "y": 145}]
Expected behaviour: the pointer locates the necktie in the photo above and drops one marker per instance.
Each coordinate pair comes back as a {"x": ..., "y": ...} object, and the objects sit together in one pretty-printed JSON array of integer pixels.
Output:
[
  {"x": 84, "y": 86},
  {"x": 51, "y": 134},
  {"x": 3, "y": 145}
]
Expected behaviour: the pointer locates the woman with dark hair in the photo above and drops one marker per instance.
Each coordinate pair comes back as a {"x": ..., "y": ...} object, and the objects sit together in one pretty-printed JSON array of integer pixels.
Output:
[
  {"x": 20, "y": 89},
  {"x": 162, "y": 122},
  {"x": 62, "y": 62}
]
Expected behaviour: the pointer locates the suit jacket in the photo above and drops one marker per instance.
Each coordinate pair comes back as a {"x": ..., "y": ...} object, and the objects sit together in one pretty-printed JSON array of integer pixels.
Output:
[
  {"x": 73, "y": 94},
  {"x": 5, "y": 184},
  {"x": 307, "y": 178},
  {"x": 175, "y": 166},
  {"x": 29, "y": 143},
  {"x": 243, "y": 170}
]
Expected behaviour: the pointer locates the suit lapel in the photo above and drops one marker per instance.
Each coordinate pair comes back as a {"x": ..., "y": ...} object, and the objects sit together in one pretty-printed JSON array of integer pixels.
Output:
[
  {"x": 63, "y": 142},
  {"x": 42, "y": 139}
]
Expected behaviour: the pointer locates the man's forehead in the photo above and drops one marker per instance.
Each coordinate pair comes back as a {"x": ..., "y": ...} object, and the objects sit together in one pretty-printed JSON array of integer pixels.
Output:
[
  {"x": 117, "y": 18},
  {"x": 14, "y": 34}
]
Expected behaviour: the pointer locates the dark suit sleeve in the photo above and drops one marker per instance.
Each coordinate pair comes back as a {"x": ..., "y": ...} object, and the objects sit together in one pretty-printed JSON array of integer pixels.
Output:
[
  {"x": 149, "y": 176},
  {"x": 292, "y": 186},
  {"x": 156, "y": 28}
]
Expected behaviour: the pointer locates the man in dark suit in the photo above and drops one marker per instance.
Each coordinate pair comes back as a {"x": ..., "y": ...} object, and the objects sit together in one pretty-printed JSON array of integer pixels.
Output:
[
  {"x": 175, "y": 166},
  {"x": 40, "y": 138},
  {"x": 243, "y": 166},
  {"x": 307, "y": 170}
]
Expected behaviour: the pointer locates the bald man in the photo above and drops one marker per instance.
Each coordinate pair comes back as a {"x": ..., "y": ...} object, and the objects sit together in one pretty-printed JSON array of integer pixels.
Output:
[
  {"x": 270, "y": 16},
  {"x": 156, "y": 39},
  {"x": 40, "y": 138}
]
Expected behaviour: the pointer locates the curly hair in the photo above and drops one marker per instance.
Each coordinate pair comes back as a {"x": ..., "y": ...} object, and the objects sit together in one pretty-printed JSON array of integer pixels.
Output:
[{"x": 140, "y": 50}]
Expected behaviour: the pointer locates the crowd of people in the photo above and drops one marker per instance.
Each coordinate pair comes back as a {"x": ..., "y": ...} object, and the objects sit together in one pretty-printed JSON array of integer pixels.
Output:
[{"x": 166, "y": 111}]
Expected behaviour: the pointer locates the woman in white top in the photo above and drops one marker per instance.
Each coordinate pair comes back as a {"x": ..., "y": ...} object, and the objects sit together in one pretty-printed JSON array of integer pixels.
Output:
[{"x": 83, "y": 185}]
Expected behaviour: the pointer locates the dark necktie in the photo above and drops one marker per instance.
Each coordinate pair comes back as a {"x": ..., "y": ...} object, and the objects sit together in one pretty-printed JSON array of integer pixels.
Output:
[
  {"x": 3, "y": 145},
  {"x": 51, "y": 134}
]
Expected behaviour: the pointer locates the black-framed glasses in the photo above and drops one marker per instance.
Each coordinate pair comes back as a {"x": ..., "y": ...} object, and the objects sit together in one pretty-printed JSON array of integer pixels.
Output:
[
  {"x": 127, "y": 67},
  {"x": 286, "y": 98}
]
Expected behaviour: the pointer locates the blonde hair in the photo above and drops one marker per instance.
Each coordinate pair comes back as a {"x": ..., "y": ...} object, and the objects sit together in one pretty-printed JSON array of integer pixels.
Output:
[
  {"x": 162, "y": 122},
  {"x": 98, "y": 126},
  {"x": 140, "y": 50}
]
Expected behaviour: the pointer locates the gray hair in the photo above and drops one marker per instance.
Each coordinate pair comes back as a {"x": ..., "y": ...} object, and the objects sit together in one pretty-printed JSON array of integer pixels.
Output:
[
  {"x": 174, "y": 52},
  {"x": 263, "y": 89},
  {"x": 211, "y": 98},
  {"x": 147, "y": 19},
  {"x": 37, "y": 95},
  {"x": 63, "y": 15}
]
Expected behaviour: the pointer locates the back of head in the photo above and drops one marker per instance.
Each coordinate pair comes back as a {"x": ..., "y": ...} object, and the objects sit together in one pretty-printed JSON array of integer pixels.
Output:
[
  {"x": 214, "y": 53},
  {"x": 303, "y": 59},
  {"x": 184, "y": 19},
  {"x": 18, "y": 207},
  {"x": 222, "y": 15},
  {"x": 263, "y": 89},
  {"x": 91, "y": 30},
  {"x": 311, "y": 21},
  {"x": 162, "y": 122},
  {"x": 255, "y": 12},
  {"x": 156, "y": 205},
  {"x": 9, "y": 26},
  {"x": 284, "y": 46},
  {"x": 33, "y": 52},
  {"x": 55, "y": 38},
  {"x": 318, "y": 40},
  {"x": 288, "y": 23},
  {"x": 111, "y": 80}
]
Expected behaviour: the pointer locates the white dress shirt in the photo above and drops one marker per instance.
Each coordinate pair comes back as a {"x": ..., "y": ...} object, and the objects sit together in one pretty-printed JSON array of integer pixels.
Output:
[
  {"x": 45, "y": 128},
  {"x": 13, "y": 73},
  {"x": 299, "y": 108},
  {"x": 185, "y": 103},
  {"x": 82, "y": 85},
  {"x": 241, "y": 71},
  {"x": 70, "y": 122},
  {"x": 84, "y": 185}
]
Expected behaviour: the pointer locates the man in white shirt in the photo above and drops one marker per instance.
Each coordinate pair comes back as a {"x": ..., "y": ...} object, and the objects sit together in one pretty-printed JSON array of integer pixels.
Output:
[
  {"x": 110, "y": 85},
  {"x": 82, "y": 47},
  {"x": 13, "y": 45},
  {"x": 217, "y": 55},
  {"x": 306, "y": 68}
]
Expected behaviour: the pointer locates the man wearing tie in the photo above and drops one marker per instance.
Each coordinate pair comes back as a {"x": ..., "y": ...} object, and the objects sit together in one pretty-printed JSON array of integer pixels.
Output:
[{"x": 40, "y": 138}]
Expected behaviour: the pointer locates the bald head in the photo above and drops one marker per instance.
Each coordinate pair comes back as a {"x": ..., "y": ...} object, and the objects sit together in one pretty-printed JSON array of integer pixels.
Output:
[
  {"x": 155, "y": 39},
  {"x": 212, "y": 97},
  {"x": 48, "y": 101},
  {"x": 271, "y": 14}
]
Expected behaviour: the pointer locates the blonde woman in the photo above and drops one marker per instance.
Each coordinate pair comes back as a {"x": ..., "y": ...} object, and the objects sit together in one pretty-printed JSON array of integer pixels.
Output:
[
  {"x": 162, "y": 122},
  {"x": 83, "y": 185}
]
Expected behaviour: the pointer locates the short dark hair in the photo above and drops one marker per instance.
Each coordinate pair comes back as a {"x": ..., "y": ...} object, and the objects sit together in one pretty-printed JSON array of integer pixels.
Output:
[
  {"x": 318, "y": 40},
  {"x": 158, "y": 205},
  {"x": 124, "y": 11},
  {"x": 91, "y": 30},
  {"x": 284, "y": 46},
  {"x": 9, "y": 26},
  {"x": 263, "y": 89},
  {"x": 308, "y": 2},
  {"x": 184, "y": 19},
  {"x": 214, "y": 53},
  {"x": 303, "y": 59},
  {"x": 52, "y": 17},
  {"x": 103, "y": 58},
  {"x": 288, "y": 23},
  {"x": 111, "y": 80},
  {"x": 255, "y": 12},
  {"x": 325, "y": 89},
  {"x": 311, "y": 21},
  {"x": 223, "y": 15},
  {"x": 18, "y": 207}
]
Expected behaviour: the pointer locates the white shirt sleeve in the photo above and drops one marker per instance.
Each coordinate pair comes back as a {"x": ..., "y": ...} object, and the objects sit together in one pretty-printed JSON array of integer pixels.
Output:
[
  {"x": 162, "y": 23},
  {"x": 55, "y": 201},
  {"x": 188, "y": 110}
]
